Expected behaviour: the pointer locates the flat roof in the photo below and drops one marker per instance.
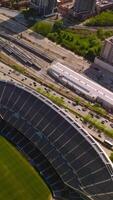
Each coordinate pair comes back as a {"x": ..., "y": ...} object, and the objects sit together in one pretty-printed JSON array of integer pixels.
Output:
[{"x": 88, "y": 86}]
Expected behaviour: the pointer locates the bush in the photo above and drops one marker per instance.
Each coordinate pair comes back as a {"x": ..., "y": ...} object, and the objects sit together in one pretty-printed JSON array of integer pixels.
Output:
[
  {"x": 57, "y": 26},
  {"x": 82, "y": 42},
  {"x": 111, "y": 157},
  {"x": 55, "y": 99},
  {"x": 42, "y": 27},
  {"x": 98, "y": 125},
  {"x": 103, "y": 34},
  {"x": 103, "y": 19}
]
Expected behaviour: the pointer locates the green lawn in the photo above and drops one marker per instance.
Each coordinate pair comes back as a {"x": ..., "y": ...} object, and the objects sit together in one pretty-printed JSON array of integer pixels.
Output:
[{"x": 18, "y": 180}]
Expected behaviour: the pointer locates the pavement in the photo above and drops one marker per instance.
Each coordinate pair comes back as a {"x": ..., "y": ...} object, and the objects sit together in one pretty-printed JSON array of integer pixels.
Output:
[{"x": 100, "y": 75}]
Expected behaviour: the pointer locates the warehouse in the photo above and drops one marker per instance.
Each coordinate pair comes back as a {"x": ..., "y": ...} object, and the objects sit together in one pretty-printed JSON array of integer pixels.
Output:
[{"x": 81, "y": 85}]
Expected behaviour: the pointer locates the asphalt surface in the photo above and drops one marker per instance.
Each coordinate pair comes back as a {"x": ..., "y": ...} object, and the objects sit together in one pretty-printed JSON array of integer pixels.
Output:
[{"x": 9, "y": 74}]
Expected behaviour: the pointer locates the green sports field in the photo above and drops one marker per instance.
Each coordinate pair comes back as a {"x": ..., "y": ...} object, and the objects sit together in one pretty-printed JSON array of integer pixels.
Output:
[{"x": 18, "y": 180}]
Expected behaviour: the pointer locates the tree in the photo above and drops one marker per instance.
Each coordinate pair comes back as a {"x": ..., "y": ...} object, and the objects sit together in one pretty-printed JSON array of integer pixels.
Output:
[
  {"x": 43, "y": 28},
  {"x": 57, "y": 26},
  {"x": 111, "y": 157}
]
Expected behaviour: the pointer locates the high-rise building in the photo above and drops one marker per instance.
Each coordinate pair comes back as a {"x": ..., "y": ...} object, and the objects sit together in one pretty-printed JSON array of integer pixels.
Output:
[
  {"x": 44, "y": 7},
  {"x": 84, "y": 6},
  {"x": 106, "y": 57}
]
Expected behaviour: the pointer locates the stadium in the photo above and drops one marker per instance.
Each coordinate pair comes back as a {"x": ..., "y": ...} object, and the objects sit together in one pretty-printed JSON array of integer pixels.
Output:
[{"x": 69, "y": 160}]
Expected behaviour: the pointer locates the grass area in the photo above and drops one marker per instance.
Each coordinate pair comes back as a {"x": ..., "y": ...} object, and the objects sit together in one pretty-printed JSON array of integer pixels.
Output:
[
  {"x": 18, "y": 180},
  {"x": 96, "y": 108},
  {"x": 91, "y": 106},
  {"x": 97, "y": 124},
  {"x": 6, "y": 60},
  {"x": 111, "y": 157},
  {"x": 55, "y": 99},
  {"x": 82, "y": 42},
  {"x": 103, "y": 19}
]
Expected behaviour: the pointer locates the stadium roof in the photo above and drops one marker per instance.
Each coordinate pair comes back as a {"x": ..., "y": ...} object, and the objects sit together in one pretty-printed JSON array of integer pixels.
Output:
[{"x": 74, "y": 154}]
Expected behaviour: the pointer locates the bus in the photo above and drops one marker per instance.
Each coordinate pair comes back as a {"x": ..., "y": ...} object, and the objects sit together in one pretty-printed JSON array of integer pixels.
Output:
[{"x": 108, "y": 144}]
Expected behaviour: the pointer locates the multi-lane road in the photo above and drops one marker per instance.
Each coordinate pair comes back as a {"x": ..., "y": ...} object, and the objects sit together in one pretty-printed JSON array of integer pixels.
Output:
[{"x": 9, "y": 74}]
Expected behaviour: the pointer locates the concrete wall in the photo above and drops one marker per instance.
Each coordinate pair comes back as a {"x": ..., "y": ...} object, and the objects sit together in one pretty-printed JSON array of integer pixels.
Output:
[
  {"x": 103, "y": 64},
  {"x": 107, "y": 51}
]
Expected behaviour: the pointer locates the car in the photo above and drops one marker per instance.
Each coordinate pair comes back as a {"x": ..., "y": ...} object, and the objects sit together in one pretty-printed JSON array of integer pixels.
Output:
[
  {"x": 90, "y": 126},
  {"x": 74, "y": 104},
  {"x": 79, "y": 109},
  {"x": 91, "y": 114},
  {"x": 34, "y": 83},
  {"x": 99, "y": 135},
  {"x": 97, "y": 69},
  {"x": 97, "y": 116},
  {"x": 84, "y": 109},
  {"x": 111, "y": 125}
]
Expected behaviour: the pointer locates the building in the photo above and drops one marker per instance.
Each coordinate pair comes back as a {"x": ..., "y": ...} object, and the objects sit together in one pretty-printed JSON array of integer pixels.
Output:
[
  {"x": 44, "y": 7},
  {"x": 84, "y": 8},
  {"x": 106, "y": 57},
  {"x": 81, "y": 85},
  {"x": 103, "y": 5},
  {"x": 64, "y": 7}
]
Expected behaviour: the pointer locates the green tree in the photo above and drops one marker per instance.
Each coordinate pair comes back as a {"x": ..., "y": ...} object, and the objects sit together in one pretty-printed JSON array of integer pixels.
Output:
[
  {"x": 57, "y": 26},
  {"x": 42, "y": 27},
  {"x": 111, "y": 157}
]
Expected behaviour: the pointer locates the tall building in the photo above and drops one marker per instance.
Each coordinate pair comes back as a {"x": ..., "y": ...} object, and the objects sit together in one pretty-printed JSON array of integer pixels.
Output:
[
  {"x": 84, "y": 6},
  {"x": 106, "y": 57},
  {"x": 44, "y": 7}
]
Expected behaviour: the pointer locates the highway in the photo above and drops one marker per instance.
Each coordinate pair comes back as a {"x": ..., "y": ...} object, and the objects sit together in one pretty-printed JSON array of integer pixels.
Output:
[{"x": 9, "y": 74}]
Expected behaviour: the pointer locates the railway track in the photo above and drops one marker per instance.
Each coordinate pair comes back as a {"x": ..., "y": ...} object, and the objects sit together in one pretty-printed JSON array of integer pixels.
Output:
[
  {"x": 24, "y": 45},
  {"x": 18, "y": 54}
]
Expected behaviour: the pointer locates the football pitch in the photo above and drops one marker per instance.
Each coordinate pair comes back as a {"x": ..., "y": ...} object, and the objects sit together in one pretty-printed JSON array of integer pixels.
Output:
[{"x": 18, "y": 179}]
